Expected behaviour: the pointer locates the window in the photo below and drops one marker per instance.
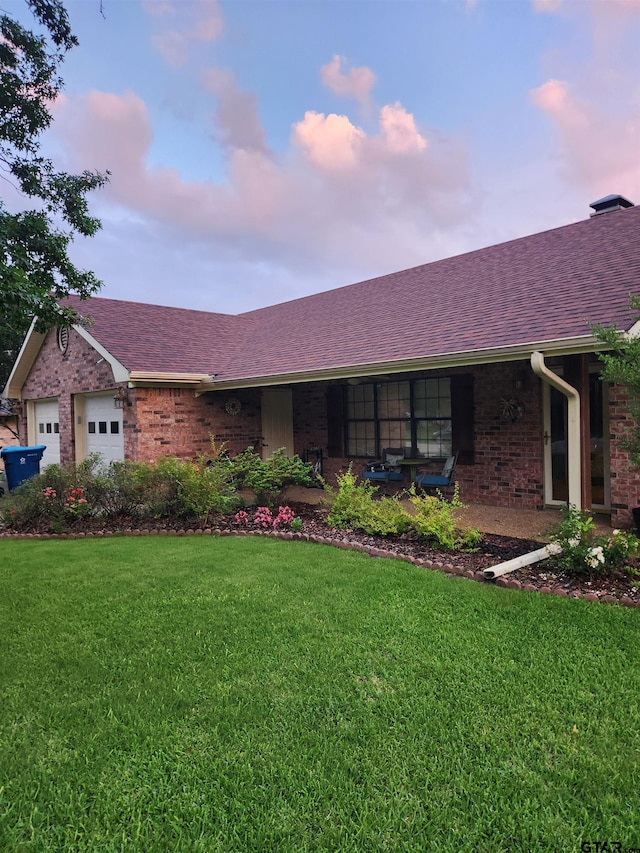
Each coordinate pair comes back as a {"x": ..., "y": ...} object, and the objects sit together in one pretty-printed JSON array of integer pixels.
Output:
[
  {"x": 102, "y": 427},
  {"x": 414, "y": 414},
  {"x": 115, "y": 427},
  {"x": 91, "y": 427}
]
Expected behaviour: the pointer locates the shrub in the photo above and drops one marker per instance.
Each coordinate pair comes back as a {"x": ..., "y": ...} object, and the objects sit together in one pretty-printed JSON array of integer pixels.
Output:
[
  {"x": 353, "y": 506},
  {"x": 263, "y": 518},
  {"x": 433, "y": 520},
  {"x": 51, "y": 501},
  {"x": 585, "y": 553},
  {"x": 269, "y": 477}
]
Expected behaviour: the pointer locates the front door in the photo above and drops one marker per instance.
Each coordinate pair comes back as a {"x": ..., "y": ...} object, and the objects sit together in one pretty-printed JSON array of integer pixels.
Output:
[
  {"x": 556, "y": 482},
  {"x": 277, "y": 421}
]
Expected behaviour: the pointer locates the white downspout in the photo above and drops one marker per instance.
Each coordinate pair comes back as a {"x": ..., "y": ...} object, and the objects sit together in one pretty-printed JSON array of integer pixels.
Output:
[{"x": 574, "y": 457}]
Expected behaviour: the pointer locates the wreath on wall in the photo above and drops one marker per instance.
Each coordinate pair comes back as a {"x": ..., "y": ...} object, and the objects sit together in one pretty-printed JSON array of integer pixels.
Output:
[{"x": 233, "y": 406}]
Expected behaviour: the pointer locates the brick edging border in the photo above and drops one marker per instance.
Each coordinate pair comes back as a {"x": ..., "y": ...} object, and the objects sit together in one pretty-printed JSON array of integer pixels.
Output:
[{"x": 445, "y": 568}]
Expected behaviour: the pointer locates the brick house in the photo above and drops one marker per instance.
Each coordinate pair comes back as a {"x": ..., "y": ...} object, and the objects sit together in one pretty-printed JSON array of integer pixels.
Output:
[{"x": 487, "y": 354}]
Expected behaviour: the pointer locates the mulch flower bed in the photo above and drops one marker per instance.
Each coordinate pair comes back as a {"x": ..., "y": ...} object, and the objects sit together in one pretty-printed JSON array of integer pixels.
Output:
[{"x": 621, "y": 588}]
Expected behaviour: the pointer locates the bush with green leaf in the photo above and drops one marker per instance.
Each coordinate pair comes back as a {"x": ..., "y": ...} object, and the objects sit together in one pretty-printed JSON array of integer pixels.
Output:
[
  {"x": 353, "y": 506},
  {"x": 433, "y": 520},
  {"x": 269, "y": 477},
  {"x": 584, "y": 552}
]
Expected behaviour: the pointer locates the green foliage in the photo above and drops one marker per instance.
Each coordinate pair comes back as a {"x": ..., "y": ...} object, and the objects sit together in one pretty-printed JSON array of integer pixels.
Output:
[
  {"x": 52, "y": 501},
  {"x": 585, "y": 553},
  {"x": 167, "y": 488},
  {"x": 621, "y": 366},
  {"x": 35, "y": 269},
  {"x": 353, "y": 505},
  {"x": 433, "y": 520},
  {"x": 269, "y": 477}
]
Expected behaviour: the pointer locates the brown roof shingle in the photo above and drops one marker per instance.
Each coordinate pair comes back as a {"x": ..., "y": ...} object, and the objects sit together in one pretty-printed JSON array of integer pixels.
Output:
[{"x": 548, "y": 286}]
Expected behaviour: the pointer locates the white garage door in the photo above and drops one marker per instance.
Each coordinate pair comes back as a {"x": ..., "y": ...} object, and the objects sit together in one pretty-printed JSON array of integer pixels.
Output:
[
  {"x": 48, "y": 430},
  {"x": 104, "y": 428}
]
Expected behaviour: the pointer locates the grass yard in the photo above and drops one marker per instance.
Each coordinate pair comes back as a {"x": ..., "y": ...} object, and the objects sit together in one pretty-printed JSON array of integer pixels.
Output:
[{"x": 246, "y": 694}]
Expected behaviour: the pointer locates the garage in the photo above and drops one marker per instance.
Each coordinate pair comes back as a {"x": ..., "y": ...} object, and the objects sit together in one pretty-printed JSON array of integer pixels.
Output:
[
  {"x": 47, "y": 430},
  {"x": 104, "y": 427}
]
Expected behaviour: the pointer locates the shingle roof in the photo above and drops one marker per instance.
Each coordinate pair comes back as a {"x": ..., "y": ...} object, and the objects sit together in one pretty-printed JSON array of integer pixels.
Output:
[
  {"x": 159, "y": 339},
  {"x": 545, "y": 287}
]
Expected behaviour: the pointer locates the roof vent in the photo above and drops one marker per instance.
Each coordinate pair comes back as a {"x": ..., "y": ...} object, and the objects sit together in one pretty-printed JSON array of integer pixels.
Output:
[{"x": 609, "y": 203}]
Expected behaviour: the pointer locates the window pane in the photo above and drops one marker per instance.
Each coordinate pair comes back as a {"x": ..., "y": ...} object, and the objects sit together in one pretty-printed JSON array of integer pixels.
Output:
[
  {"x": 360, "y": 401},
  {"x": 102, "y": 427},
  {"x": 40, "y": 427},
  {"x": 48, "y": 427},
  {"x": 395, "y": 434},
  {"x": 361, "y": 439},
  {"x": 115, "y": 427},
  {"x": 394, "y": 400},
  {"x": 56, "y": 428},
  {"x": 91, "y": 427},
  {"x": 434, "y": 438}
]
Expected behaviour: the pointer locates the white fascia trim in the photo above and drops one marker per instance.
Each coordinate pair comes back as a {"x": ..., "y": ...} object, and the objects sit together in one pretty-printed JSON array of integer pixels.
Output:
[
  {"x": 120, "y": 372},
  {"x": 29, "y": 350},
  {"x": 634, "y": 331},
  {"x": 490, "y": 355}
]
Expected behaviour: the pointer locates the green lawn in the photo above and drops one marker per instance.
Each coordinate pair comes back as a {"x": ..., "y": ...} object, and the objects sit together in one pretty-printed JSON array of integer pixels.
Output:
[{"x": 246, "y": 694}]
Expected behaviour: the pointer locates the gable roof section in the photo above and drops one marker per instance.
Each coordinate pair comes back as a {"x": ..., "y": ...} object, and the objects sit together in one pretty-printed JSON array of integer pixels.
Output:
[
  {"x": 529, "y": 293},
  {"x": 154, "y": 339}
]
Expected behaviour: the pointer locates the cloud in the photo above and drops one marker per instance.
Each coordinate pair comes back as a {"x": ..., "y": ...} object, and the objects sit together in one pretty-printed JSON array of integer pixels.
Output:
[
  {"x": 338, "y": 195},
  {"x": 599, "y": 150},
  {"x": 237, "y": 120},
  {"x": 356, "y": 82},
  {"x": 399, "y": 129},
  {"x": 179, "y": 24},
  {"x": 546, "y": 6},
  {"x": 330, "y": 142}
]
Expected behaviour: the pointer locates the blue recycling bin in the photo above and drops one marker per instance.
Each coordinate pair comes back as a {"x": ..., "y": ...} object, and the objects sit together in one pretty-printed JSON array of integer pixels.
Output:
[{"x": 21, "y": 463}]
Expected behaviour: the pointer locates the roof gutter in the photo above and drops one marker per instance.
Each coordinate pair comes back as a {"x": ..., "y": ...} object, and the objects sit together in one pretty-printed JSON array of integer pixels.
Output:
[
  {"x": 148, "y": 377},
  {"x": 574, "y": 457},
  {"x": 467, "y": 358}
]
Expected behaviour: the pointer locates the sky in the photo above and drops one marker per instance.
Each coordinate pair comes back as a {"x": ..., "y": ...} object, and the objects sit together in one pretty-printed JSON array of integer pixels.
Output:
[{"x": 263, "y": 150}]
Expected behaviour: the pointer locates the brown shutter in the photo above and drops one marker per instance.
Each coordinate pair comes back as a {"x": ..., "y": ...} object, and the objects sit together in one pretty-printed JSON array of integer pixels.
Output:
[
  {"x": 462, "y": 417},
  {"x": 335, "y": 421}
]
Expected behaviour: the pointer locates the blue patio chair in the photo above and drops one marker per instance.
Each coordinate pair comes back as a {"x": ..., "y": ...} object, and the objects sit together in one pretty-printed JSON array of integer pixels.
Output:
[
  {"x": 426, "y": 480},
  {"x": 386, "y": 471}
]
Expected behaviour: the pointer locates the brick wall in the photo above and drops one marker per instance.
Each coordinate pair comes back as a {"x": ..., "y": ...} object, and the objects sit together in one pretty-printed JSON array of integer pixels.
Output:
[
  {"x": 508, "y": 468},
  {"x": 625, "y": 479},
  {"x": 174, "y": 422},
  {"x": 55, "y": 374}
]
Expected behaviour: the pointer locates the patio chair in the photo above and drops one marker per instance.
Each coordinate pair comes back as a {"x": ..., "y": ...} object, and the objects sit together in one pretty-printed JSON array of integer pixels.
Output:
[
  {"x": 428, "y": 480},
  {"x": 386, "y": 471}
]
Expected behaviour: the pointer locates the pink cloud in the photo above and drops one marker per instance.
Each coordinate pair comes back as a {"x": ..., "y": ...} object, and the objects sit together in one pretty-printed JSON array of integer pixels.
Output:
[
  {"x": 546, "y": 6},
  {"x": 599, "y": 149},
  {"x": 356, "y": 82},
  {"x": 236, "y": 117},
  {"x": 330, "y": 142},
  {"x": 399, "y": 129},
  {"x": 338, "y": 193},
  {"x": 178, "y": 24}
]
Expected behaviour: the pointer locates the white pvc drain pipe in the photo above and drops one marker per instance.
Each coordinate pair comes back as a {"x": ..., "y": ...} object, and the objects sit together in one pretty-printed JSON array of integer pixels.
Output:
[{"x": 520, "y": 562}]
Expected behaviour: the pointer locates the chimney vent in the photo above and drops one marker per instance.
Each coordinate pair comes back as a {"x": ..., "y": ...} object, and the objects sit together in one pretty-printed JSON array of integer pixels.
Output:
[{"x": 609, "y": 203}]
